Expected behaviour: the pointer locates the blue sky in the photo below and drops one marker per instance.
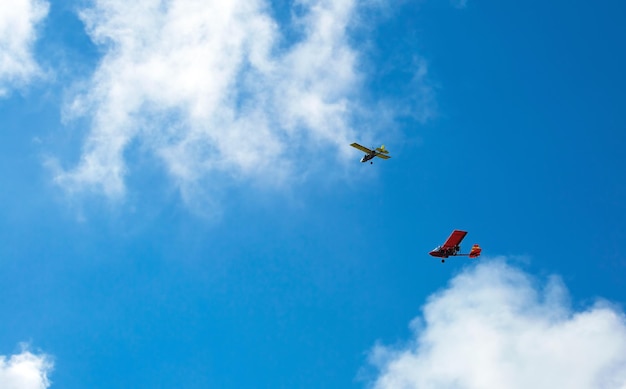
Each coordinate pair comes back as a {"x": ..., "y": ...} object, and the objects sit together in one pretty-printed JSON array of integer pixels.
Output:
[{"x": 181, "y": 207}]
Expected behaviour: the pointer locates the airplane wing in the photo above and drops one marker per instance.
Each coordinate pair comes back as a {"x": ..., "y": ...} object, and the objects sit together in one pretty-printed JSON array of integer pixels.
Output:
[
  {"x": 382, "y": 149},
  {"x": 383, "y": 156},
  {"x": 454, "y": 239},
  {"x": 363, "y": 149}
]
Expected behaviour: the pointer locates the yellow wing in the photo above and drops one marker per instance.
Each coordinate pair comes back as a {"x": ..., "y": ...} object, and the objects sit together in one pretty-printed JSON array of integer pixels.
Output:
[
  {"x": 363, "y": 149},
  {"x": 383, "y": 156},
  {"x": 382, "y": 149}
]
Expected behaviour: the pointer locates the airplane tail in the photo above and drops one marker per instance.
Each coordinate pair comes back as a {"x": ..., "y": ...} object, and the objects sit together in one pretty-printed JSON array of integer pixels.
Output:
[
  {"x": 382, "y": 149},
  {"x": 475, "y": 252}
]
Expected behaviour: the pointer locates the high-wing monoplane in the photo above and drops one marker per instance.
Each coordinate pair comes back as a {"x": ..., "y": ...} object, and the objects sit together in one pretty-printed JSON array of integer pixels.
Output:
[
  {"x": 452, "y": 246},
  {"x": 379, "y": 152}
]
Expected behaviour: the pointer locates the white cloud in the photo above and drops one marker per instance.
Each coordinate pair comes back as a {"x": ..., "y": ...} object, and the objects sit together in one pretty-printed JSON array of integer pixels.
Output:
[
  {"x": 215, "y": 89},
  {"x": 495, "y": 327},
  {"x": 18, "y": 19},
  {"x": 25, "y": 371}
]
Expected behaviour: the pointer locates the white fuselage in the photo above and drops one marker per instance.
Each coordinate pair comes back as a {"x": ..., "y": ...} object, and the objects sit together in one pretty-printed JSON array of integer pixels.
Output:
[{"x": 367, "y": 157}]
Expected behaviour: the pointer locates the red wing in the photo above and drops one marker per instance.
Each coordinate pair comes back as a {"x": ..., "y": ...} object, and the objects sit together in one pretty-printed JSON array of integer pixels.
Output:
[{"x": 454, "y": 239}]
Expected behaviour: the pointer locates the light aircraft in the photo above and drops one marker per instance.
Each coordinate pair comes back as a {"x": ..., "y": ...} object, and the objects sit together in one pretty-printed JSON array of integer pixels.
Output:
[
  {"x": 379, "y": 152},
  {"x": 452, "y": 247}
]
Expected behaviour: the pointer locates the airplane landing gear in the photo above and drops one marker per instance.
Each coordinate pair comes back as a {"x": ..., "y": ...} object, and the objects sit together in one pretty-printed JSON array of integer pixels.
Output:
[
  {"x": 371, "y": 163},
  {"x": 443, "y": 261}
]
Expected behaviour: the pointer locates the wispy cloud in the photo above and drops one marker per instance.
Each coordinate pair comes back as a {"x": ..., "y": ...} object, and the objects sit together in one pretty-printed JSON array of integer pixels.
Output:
[
  {"x": 496, "y": 327},
  {"x": 18, "y": 21},
  {"x": 25, "y": 371},
  {"x": 215, "y": 89}
]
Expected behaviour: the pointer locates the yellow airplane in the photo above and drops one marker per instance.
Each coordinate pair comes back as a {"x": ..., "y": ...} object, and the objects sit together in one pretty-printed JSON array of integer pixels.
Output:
[{"x": 379, "y": 152}]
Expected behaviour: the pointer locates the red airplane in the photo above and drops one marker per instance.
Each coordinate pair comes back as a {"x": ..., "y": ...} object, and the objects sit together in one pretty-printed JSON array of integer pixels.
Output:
[{"x": 452, "y": 247}]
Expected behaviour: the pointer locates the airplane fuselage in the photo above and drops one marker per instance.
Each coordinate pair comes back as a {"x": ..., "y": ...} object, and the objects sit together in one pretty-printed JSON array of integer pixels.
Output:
[
  {"x": 445, "y": 252},
  {"x": 368, "y": 157}
]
